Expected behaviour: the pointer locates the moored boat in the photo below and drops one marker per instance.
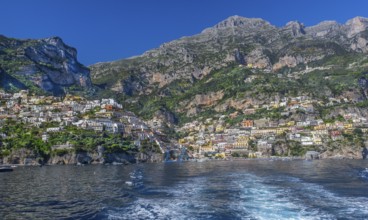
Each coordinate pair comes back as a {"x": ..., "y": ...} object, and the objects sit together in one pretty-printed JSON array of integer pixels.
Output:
[{"x": 6, "y": 169}]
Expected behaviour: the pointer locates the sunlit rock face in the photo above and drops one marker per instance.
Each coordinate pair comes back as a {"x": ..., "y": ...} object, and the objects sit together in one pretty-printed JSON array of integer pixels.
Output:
[{"x": 48, "y": 64}]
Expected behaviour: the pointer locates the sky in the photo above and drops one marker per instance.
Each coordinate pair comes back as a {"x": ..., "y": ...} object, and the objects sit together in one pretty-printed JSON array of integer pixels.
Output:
[{"x": 107, "y": 30}]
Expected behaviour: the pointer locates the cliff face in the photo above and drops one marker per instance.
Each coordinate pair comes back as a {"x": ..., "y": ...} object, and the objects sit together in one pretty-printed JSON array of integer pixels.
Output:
[
  {"x": 29, "y": 157},
  {"x": 46, "y": 65},
  {"x": 333, "y": 150}
]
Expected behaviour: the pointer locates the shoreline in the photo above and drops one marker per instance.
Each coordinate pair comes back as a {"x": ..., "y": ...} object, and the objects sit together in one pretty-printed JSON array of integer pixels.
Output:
[{"x": 194, "y": 160}]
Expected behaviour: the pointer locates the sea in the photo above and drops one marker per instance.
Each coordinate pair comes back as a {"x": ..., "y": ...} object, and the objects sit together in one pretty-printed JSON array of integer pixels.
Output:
[{"x": 242, "y": 189}]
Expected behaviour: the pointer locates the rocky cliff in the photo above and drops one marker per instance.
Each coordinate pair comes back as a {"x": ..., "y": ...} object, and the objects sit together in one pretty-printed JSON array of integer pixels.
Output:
[
  {"x": 46, "y": 65},
  {"x": 28, "y": 157}
]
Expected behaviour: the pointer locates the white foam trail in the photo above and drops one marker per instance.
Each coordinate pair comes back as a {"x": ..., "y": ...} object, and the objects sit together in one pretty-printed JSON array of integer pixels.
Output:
[
  {"x": 184, "y": 203},
  {"x": 263, "y": 200},
  {"x": 364, "y": 174}
]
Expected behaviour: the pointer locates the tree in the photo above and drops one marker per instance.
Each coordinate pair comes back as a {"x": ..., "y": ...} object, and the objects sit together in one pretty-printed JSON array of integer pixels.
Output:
[{"x": 358, "y": 132}]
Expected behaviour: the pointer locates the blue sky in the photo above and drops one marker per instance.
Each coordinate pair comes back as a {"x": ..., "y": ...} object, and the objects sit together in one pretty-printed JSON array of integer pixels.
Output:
[{"x": 108, "y": 30}]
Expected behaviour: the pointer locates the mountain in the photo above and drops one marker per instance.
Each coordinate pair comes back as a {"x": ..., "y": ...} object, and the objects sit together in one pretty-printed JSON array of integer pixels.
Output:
[
  {"x": 43, "y": 66},
  {"x": 243, "y": 40},
  {"x": 238, "y": 63}
]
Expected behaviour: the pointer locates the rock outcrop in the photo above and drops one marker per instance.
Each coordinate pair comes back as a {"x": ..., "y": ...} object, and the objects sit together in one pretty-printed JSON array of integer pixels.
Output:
[
  {"x": 28, "y": 157},
  {"x": 206, "y": 99},
  {"x": 345, "y": 150},
  {"x": 41, "y": 65},
  {"x": 294, "y": 28},
  {"x": 323, "y": 29},
  {"x": 356, "y": 25},
  {"x": 311, "y": 155},
  {"x": 23, "y": 157}
]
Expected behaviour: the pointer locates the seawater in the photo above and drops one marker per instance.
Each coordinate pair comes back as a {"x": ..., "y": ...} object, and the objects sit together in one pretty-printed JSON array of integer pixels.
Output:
[{"x": 248, "y": 189}]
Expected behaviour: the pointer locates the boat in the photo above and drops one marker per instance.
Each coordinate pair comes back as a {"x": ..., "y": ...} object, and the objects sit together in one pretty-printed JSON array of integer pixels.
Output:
[{"x": 6, "y": 169}]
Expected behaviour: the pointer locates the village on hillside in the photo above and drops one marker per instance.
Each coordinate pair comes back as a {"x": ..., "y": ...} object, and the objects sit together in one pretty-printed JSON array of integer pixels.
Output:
[
  {"x": 265, "y": 137},
  {"x": 54, "y": 114}
]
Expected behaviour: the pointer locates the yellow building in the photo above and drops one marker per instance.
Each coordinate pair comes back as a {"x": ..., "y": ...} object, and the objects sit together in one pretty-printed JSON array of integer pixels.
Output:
[
  {"x": 264, "y": 131},
  {"x": 252, "y": 155},
  {"x": 320, "y": 127},
  {"x": 219, "y": 128},
  {"x": 220, "y": 155},
  {"x": 69, "y": 97},
  {"x": 317, "y": 140},
  {"x": 243, "y": 138},
  {"x": 281, "y": 130},
  {"x": 208, "y": 148},
  {"x": 290, "y": 123},
  {"x": 348, "y": 130}
]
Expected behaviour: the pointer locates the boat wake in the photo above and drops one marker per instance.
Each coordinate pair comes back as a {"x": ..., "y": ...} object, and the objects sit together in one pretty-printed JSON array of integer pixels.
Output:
[
  {"x": 241, "y": 196},
  {"x": 181, "y": 202},
  {"x": 364, "y": 174}
]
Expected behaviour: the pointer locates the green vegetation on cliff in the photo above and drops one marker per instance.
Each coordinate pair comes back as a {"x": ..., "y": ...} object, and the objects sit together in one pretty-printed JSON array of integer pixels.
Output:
[{"x": 16, "y": 135}]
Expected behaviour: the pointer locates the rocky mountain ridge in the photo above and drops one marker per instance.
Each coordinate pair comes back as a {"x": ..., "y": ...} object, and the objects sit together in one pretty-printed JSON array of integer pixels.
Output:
[
  {"x": 45, "y": 65},
  {"x": 236, "y": 39}
]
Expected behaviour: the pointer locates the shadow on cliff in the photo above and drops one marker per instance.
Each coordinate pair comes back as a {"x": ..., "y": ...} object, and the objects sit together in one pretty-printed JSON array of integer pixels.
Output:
[{"x": 365, "y": 153}]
